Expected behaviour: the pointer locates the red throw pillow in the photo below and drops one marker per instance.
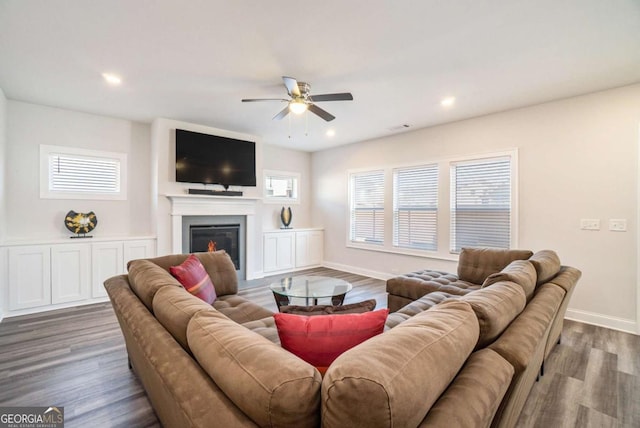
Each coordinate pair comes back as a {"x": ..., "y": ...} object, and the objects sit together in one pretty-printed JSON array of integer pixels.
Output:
[
  {"x": 321, "y": 339},
  {"x": 195, "y": 279}
]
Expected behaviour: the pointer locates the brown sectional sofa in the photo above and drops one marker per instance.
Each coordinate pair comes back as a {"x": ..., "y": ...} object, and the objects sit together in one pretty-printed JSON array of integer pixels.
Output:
[
  {"x": 446, "y": 359},
  {"x": 522, "y": 324}
]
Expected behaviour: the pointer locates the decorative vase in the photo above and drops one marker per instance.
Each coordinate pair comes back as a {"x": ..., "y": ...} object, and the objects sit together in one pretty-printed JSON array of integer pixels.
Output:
[
  {"x": 285, "y": 217},
  {"x": 80, "y": 223}
]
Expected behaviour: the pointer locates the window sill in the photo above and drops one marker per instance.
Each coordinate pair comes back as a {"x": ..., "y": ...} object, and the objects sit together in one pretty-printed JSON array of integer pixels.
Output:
[{"x": 403, "y": 252}]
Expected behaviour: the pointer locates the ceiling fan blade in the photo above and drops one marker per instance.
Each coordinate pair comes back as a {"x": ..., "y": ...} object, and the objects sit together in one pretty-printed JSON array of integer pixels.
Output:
[
  {"x": 292, "y": 86},
  {"x": 320, "y": 112},
  {"x": 253, "y": 100},
  {"x": 283, "y": 113},
  {"x": 344, "y": 96}
]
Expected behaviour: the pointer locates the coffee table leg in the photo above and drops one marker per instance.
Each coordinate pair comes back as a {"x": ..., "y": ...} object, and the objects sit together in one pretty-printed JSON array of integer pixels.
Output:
[
  {"x": 338, "y": 300},
  {"x": 280, "y": 300}
]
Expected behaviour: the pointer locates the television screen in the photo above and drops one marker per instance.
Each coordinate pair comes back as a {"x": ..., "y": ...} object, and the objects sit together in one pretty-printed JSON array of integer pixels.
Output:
[{"x": 212, "y": 159}]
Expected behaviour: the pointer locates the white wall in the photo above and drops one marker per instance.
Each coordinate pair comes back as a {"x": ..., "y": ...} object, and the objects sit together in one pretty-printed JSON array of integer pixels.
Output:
[
  {"x": 4, "y": 291},
  {"x": 578, "y": 158},
  {"x": 28, "y": 216},
  {"x": 163, "y": 182},
  {"x": 3, "y": 158},
  {"x": 281, "y": 159}
]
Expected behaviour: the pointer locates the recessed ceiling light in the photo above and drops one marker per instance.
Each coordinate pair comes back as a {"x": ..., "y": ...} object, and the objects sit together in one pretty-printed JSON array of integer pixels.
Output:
[
  {"x": 448, "y": 102},
  {"x": 112, "y": 79},
  {"x": 331, "y": 133}
]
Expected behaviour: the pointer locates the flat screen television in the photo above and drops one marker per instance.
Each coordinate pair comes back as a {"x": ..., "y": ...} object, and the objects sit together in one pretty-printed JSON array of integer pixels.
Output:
[{"x": 212, "y": 159}]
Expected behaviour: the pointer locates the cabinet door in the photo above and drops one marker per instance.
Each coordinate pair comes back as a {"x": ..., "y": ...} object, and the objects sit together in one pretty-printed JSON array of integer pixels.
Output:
[
  {"x": 309, "y": 248},
  {"x": 316, "y": 247},
  {"x": 29, "y": 277},
  {"x": 106, "y": 261},
  {"x": 141, "y": 249},
  {"x": 302, "y": 249},
  {"x": 270, "y": 252},
  {"x": 278, "y": 251},
  {"x": 70, "y": 272}
]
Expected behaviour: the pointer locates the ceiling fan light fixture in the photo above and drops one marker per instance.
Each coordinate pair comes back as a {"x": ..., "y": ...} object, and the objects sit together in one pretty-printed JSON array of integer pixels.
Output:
[{"x": 297, "y": 107}]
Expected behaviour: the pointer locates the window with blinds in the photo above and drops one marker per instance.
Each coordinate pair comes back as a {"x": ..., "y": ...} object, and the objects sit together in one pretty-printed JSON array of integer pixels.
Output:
[
  {"x": 415, "y": 207},
  {"x": 82, "y": 174},
  {"x": 367, "y": 207},
  {"x": 481, "y": 203}
]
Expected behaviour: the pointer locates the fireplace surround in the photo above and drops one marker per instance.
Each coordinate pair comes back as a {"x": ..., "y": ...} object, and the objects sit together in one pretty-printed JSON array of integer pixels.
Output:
[{"x": 216, "y": 210}]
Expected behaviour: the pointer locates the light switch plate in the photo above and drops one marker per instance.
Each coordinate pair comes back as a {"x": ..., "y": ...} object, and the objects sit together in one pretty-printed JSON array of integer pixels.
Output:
[
  {"x": 618, "y": 224},
  {"x": 590, "y": 224}
]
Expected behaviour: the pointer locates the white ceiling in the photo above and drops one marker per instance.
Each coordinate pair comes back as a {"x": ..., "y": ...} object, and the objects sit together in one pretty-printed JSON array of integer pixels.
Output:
[{"x": 195, "y": 60}]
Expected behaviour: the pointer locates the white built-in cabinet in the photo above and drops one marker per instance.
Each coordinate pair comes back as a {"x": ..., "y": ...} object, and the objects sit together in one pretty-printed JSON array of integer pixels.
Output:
[
  {"x": 67, "y": 273},
  {"x": 309, "y": 245},
  {"x": 70, "y": 273},
  {"x": 29, "y": 276},
  {"x": 292, "y": 249},
  {"x": 279, "y": 251},
  {"x": 107, "y": 260}
]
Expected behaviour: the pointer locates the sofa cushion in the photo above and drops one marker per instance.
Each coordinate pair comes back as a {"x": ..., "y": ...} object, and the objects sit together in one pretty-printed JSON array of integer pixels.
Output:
[
  {"x": 218, "y": 265},
  {"x": 496, "y": 306},
  {"x": 517, "y": 345},
  {"x": 173, "y": 307},
  {"x": 194, "y": 279},
  {"x": 352, "y": 308},
  {"x": 476, "y": 264},
  {"x": 394, "y": 378},
  {"x": 416, "y": 284},
  {"x": 478, "y": 389},
  {"x": 422, "y": 304},
  {"x": 265, "y": 327},
  {"x": 272, "y": 386},
  {"x": 321, "y": 339},
  {"x": 521, "y": 272},
  {"x": 146, "y": 278},
  {"x": 240, "y": 309},
  {"x": 547, "y": 265}
]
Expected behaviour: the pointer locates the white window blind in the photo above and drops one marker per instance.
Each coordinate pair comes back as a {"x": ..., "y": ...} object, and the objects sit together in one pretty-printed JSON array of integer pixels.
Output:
[
  {"x": 415, "y": 207},
  {"x": 74, "y": 173},
  {"x": 367, "y": 207},
  {"x": 68, "y": 173},
  {"x": 481, "y": 203}
]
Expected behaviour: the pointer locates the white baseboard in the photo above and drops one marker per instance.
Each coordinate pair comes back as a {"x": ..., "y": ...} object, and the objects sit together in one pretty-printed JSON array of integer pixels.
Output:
[
  {"x": 615, "y": 323},
  {"x": 358, "y": 271}
]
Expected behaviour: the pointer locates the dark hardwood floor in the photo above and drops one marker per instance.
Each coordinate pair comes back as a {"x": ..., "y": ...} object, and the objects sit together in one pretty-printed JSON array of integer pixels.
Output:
[{"x": 76, "y": 358}]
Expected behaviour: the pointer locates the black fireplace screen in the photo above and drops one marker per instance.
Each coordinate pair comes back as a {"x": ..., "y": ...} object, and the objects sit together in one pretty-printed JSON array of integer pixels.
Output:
[{"x": 203, "y": 238}]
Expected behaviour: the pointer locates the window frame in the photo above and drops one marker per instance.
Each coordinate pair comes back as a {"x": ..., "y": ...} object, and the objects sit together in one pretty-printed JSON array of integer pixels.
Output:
[
  {"x": 433, "y": 169},
  {"x": 444, "y": 205},
  {"x": 365, "y": 244},
  {"x": 46, "y": 151},
  {"x": 269, "y": 199},
  {"x": 513, "y": 203}
]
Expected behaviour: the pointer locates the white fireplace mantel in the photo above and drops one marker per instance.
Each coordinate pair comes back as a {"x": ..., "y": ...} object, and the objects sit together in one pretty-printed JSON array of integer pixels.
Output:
[{"x": 205, "y": 205}]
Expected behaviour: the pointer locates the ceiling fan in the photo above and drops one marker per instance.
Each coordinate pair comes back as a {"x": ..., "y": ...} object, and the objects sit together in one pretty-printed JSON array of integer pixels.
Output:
[{"x": 301, "y": 100}]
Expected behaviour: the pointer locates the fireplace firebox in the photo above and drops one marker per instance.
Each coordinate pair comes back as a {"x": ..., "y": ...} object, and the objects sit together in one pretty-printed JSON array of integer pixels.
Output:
[{"x": 203, "y": 238}]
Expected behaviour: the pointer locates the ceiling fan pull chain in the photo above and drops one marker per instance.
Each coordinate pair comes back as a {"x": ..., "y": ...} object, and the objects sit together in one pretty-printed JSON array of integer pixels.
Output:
[{"x": 306, "y": 123}]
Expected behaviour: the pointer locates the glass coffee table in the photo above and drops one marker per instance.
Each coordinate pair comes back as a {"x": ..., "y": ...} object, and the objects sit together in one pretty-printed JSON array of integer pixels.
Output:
[{"x": 311, "y": 288}]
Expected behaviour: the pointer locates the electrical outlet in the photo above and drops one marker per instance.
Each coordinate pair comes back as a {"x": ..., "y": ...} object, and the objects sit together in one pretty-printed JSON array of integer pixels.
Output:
[
  {"x": 590, "y": 224},
  {"x": 618, "y": 224}
]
